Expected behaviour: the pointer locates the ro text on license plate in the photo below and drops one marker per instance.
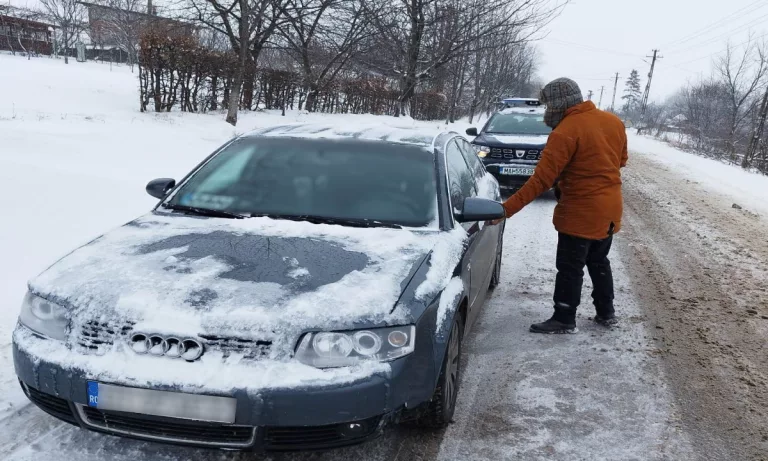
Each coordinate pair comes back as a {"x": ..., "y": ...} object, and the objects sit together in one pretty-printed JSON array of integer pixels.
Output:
[{"x": 516, "y": 171}]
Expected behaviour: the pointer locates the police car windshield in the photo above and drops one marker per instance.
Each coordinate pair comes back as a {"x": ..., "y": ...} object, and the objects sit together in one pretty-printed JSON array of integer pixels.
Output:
[{"x": 517, "y": 124}]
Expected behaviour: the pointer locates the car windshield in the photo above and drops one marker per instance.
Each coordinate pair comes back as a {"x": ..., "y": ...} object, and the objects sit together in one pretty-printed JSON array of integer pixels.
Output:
[
  {"x": 335, "y": 179},
  {"x": 518, "y": 124}
]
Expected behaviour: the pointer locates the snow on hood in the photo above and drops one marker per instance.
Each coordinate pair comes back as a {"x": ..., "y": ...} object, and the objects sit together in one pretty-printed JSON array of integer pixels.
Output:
[{"x": 253, "y": 278}]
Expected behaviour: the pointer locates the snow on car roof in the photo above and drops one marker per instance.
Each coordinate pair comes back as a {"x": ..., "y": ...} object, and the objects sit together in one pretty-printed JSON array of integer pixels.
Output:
[
  {"x": 523, "y": 110},
  {"x": 404, "y": 134}
]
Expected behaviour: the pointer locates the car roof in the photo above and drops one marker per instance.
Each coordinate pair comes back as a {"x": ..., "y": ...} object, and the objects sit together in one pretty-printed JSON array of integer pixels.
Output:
[{"x": 417, "y": 136}]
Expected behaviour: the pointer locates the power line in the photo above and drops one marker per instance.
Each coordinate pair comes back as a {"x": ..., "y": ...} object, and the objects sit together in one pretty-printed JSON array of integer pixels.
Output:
[
  {"x": 754, "y": 22},
  {"x": 590, "y": 48},
  {"x": 721, "y": 51},
  {"x": 717, "y": 24}
]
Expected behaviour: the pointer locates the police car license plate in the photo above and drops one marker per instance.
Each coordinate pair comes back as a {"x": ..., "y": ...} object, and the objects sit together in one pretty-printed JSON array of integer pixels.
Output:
[
  {"x": 161, "y": 403},
  {"x": 516, "y": 171}
]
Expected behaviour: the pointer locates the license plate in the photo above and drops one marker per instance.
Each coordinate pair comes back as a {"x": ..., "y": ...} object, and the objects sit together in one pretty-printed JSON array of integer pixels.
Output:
[
  {"x": 516, "y": 171},
  {"x": 161, "y": 403}
]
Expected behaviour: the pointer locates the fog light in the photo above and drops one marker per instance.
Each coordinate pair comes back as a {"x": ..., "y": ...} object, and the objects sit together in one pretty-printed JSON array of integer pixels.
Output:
[{"x": 352, "y": 430}]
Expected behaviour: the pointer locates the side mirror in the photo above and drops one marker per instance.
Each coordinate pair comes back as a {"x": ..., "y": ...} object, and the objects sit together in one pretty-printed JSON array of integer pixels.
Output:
[
  {"x": 159, "y": 188},
  {"x": 472, "y": 131},
  {"x": 480, "y": 209}
]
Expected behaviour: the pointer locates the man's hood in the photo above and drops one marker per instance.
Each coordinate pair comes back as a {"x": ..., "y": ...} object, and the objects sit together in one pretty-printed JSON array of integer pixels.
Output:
[{"x": 189, "y": 276}]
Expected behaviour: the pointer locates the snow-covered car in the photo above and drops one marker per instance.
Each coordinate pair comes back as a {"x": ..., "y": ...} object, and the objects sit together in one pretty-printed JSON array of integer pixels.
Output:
[
  {"x": 301, "y": 288},
  {"x": 510, "y": 143}
]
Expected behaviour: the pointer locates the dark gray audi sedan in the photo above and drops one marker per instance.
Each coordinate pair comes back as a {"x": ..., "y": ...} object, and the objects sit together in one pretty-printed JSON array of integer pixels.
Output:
[{"x": 300, "y": 289}]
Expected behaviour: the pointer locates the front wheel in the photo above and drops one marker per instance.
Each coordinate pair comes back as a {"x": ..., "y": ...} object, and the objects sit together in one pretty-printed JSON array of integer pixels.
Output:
[{"x": 440, "y": 409}]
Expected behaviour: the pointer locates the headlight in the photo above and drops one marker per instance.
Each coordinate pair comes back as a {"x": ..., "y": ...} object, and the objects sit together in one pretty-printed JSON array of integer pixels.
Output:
[
  {"x": 341, "y": 349},
  {"x": 482, "y": 151},
  {"x": 44, "y": 317}
]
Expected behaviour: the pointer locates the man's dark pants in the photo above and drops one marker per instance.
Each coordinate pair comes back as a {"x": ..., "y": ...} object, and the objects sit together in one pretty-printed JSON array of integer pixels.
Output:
[{"x": 573, "y": 253}]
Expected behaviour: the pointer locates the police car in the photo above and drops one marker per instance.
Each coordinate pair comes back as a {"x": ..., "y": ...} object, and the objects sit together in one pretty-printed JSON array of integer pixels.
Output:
[{"x": 511, "y": 142}]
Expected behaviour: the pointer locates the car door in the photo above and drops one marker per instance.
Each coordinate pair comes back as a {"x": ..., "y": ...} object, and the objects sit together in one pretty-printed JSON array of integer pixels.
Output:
[
  {"x": 461, "y": 185},
  {"x": 488, "y": 235}
]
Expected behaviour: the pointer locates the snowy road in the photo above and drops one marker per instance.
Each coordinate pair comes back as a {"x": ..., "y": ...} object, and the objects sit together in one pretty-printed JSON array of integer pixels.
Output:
[{"x": 596, "y": 395}]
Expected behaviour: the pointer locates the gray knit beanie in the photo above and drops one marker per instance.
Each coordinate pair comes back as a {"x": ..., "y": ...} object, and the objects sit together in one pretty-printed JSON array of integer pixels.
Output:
[{"x": 559, "y": 95}]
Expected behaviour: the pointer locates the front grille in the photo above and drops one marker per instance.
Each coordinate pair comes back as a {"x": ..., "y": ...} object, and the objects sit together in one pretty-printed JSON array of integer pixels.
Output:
[
  {"x": 50, "y": 404},
  {"x": 98, "y": 336},
  {"x": 249, "y": 348},
  {"x": 496, "y": 155},
  {"x": 169, "y": 429},
  {"x": 317, "y": 437},
  {"x": 532, "y": 155}
]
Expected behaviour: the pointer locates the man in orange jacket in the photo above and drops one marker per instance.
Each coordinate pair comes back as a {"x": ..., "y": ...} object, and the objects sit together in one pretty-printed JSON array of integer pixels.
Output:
[{"x": 586, "y": 149}]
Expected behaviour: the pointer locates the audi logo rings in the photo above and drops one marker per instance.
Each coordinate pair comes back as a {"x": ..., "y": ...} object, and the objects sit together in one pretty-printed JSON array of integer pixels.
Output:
[{"x": 171, "y": 347}]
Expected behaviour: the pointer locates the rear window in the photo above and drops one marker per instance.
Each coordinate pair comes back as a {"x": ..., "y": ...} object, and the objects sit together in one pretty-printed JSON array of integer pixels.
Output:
[
  {"x": 518, "y": 124},
  {"x": 390, "y": 183}
]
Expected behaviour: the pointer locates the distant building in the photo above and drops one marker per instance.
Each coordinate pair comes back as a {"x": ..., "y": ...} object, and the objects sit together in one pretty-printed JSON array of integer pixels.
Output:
[{"x": 23, "y": 35}]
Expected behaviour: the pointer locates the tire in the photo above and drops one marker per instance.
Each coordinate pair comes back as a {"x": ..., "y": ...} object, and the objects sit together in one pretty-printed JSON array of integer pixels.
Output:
[
  {"x": 496, "y": 277},
  {"x": 439, "y": 411}
]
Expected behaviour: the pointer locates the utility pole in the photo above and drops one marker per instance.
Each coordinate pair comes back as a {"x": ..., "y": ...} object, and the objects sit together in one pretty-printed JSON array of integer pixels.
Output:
[
  {"x": 589, "y": 95},
  {"x": 615, "y": 84},
  {"x": 644, "y": 102},
  {"x": 600, "y": 101}
]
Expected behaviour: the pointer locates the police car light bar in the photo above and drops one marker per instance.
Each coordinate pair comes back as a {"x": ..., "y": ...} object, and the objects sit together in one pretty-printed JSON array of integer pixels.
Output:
[{"x": 518, "y": 102}]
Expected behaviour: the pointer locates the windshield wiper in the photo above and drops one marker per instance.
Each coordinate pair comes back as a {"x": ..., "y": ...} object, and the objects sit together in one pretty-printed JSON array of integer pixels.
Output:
[
  {"x": 351, "y": 222},
  {"x": 203, "y": 211}
]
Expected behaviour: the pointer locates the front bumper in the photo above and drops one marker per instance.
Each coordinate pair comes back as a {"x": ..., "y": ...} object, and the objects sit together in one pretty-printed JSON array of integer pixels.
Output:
[{"x": 308, "y": 417}]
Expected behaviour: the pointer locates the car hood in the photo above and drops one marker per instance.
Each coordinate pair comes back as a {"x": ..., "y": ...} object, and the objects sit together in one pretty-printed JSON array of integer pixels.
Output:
[
  {"x": 253, "y": 277},
  {"x": 511, "y": 140}
]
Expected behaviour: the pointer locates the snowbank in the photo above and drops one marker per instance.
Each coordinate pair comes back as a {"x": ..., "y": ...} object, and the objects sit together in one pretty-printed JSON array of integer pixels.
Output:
[{"x": 749, "y": 190}]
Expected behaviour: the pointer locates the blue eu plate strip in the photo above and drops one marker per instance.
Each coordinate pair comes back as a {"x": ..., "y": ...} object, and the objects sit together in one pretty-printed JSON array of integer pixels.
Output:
[{"x": 93, "y": 393}]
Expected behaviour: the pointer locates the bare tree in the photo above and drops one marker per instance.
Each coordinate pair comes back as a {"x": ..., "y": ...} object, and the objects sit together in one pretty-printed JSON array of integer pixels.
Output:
[
  {"x": 69, "y": 17},
  {"x": 248, "y": 24},
  {"x": 420, "y": 36},
  {"x": 121, "y": 23},
  {"x": 741, "y": 75},
  {"x": 322, "y": 36}
]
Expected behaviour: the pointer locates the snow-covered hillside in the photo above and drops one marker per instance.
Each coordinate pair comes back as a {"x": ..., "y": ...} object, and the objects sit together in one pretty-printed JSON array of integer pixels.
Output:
[{"x": 75, "y": 155}]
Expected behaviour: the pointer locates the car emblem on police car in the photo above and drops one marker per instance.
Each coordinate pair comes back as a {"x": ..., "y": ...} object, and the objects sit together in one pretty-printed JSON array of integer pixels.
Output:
[{"x": 161, "y": 346}]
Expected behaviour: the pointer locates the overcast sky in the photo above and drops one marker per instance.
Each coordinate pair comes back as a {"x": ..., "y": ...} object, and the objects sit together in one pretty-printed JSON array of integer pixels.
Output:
[{"x": 591, "y": 40}]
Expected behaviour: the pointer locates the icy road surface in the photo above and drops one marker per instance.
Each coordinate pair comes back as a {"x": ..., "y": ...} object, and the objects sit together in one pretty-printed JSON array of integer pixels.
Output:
[{"x": 596, "y": 395}]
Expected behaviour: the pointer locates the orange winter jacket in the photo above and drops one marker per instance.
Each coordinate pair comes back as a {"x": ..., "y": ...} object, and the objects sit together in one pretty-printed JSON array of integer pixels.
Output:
[{"x": 586, "y": 151}]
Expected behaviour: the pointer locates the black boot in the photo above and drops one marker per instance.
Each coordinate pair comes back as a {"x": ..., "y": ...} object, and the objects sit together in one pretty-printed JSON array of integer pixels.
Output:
[
  {"x": 606, "y": 319},
  {"x": 562, "y": 321},
  {"x": 605, "y": 314}
]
